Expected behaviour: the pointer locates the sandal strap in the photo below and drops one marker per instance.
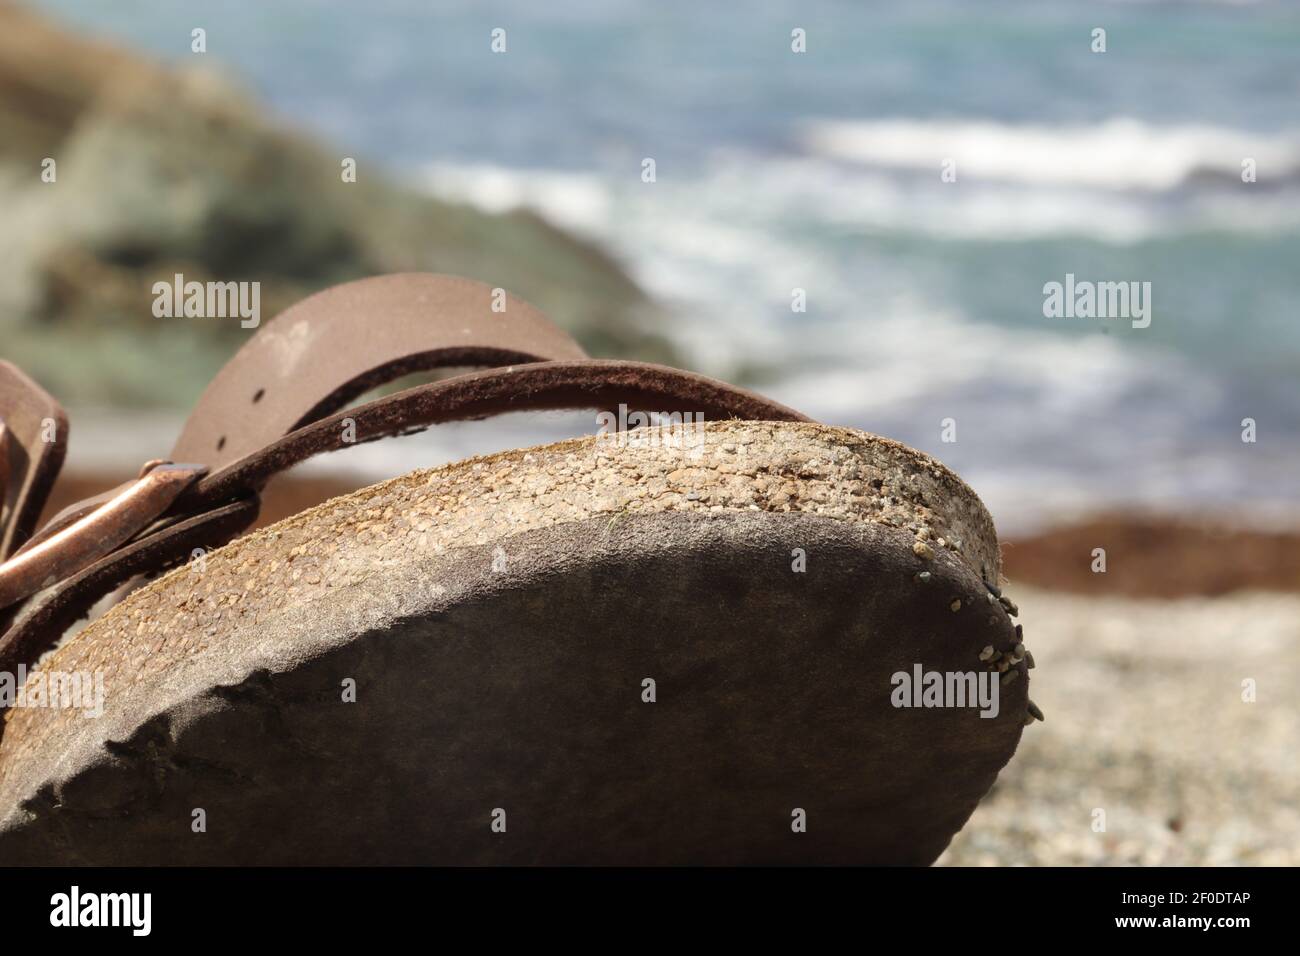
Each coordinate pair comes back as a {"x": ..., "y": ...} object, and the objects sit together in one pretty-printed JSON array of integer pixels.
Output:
[
  {"x": 280, "y": 401},
  {"x": 540, "y": 386},
  {"x": 34, "y": 443},
  {"x": 333, "y": 346},
  {"x": 322, "y": 352}
]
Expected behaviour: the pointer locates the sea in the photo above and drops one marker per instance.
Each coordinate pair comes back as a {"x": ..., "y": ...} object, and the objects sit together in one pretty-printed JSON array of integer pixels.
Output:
[{"x": 857, "y": 206}]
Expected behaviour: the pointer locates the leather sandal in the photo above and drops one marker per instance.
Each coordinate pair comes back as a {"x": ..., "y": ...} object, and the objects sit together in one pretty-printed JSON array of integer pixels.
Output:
[{"x": 708, "y": 640}]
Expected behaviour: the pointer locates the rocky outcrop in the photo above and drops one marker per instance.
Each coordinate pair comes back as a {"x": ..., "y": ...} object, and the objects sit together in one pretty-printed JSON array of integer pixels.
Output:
[{"x": 162, "y": 170}]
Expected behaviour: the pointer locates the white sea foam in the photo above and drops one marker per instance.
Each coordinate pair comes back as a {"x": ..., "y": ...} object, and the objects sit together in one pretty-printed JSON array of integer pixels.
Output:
[
  {"x": 1116, "y": 154},
  {"x": 737, "y": 202}
]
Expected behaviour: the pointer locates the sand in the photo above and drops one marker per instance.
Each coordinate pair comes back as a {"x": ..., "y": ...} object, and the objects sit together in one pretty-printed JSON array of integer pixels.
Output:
[{"x": 1145, "y": 721}]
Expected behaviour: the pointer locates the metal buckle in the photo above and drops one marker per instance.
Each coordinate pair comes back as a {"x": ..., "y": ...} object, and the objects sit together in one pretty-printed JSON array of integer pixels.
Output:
[{"x": 78, "y": 537}]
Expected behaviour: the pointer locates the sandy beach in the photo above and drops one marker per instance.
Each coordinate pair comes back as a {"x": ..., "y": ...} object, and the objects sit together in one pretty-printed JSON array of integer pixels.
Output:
[{"x": 1146, "y": 722}]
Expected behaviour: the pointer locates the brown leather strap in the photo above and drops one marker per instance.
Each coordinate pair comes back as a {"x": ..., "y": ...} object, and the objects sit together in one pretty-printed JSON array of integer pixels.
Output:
[
  {"x": 333, "y": 346},
  {"x": 36, "y": 430},
  {"x": 590, "y": 383},
  {"x": 4, "y": 469},
  {"x": 337, "y": 344}
]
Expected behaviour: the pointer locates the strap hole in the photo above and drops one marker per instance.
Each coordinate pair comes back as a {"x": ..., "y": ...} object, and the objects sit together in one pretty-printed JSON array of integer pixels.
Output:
[
  {"x": 257, "y": 396},
  {"x": 221, "y": 443}
]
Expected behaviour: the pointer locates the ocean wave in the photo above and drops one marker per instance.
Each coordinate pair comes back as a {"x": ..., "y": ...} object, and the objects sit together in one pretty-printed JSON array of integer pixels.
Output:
[
  {"x": 1115, "y": 154},
  {"x": 736, "y": 201}
]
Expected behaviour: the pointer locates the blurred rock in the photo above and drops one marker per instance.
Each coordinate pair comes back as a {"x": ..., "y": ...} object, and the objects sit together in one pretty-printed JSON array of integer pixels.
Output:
[{"x": 163, "y": 170}]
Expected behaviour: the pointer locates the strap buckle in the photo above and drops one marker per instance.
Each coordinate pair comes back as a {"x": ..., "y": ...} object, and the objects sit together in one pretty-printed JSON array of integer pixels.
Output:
[{"x": 80, "y": 536}]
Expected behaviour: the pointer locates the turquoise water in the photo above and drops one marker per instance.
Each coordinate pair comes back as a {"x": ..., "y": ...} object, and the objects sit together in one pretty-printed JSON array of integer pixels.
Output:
[{"x": 820, "y": 171}]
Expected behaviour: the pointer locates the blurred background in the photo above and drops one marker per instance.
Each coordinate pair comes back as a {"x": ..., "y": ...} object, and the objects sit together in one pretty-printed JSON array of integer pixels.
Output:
[{"x": 775, "y": 171}]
